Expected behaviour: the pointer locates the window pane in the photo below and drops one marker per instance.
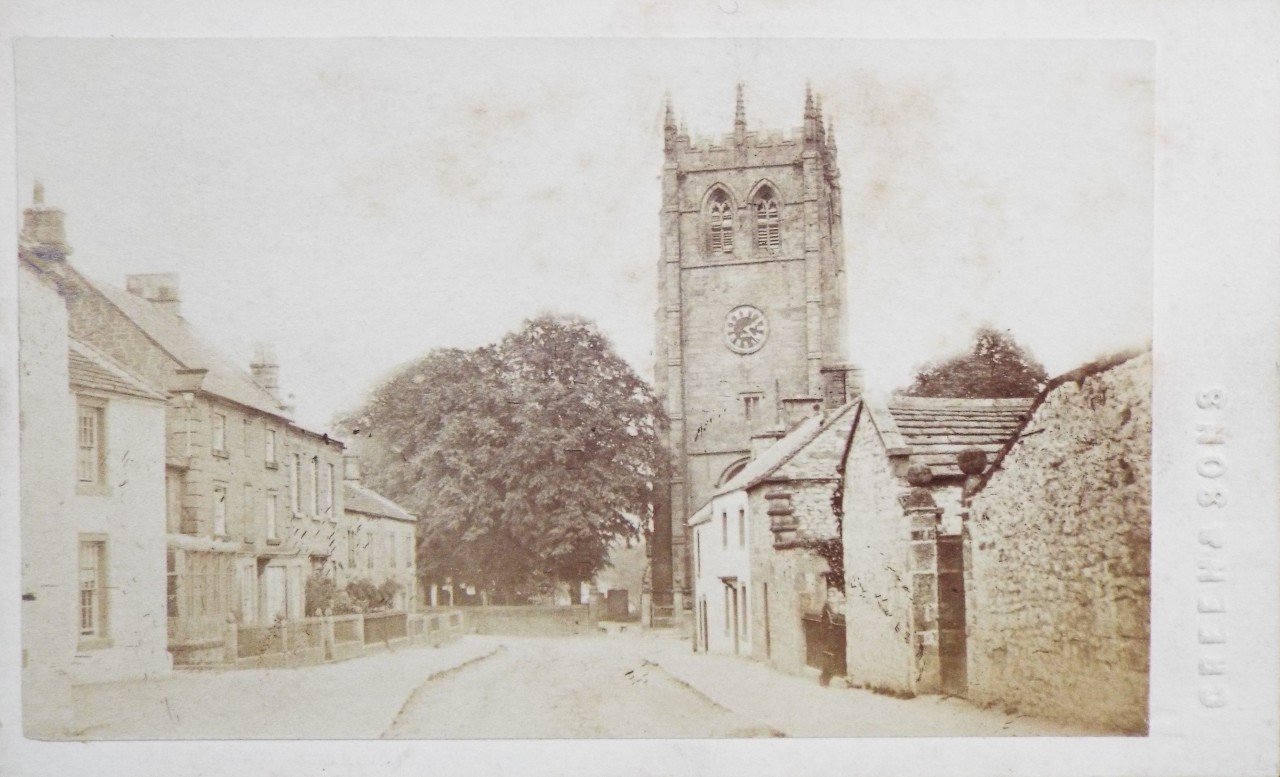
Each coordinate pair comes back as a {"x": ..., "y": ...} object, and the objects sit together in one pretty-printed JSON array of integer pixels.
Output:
[
  {"x": 219, "y": 510},
  {"x": 91, "y": 589},
  {"x": 88, "y": 453}
]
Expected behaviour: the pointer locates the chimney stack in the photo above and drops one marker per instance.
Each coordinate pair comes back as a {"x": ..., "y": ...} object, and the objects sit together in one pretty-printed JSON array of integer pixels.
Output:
[
  {"x": 841, "y": 383},
  {"x": 265, "y": 369},
  {"x": 158, "y": 288},
  {"x": 351, "y": 467},
  {"x": 762, "y": 441},
  {"x": 44, "y": 232}
]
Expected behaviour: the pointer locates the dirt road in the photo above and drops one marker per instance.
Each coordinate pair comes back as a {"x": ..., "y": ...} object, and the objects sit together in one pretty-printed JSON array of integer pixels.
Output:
[{"x": 564, "y": 687}]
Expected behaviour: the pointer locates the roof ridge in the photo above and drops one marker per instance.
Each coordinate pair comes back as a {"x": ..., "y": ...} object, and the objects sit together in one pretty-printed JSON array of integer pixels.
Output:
[{"x": 823, "y": 426}]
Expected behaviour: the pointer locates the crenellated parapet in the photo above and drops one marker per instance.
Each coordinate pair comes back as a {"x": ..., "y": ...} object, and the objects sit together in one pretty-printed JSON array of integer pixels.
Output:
[{"x": 742, "y": 148}]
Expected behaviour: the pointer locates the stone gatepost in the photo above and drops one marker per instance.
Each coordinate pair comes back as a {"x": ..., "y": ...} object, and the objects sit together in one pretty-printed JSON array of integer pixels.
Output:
[
  {"x": 923, "y": 518},
  {"x": 327, "y": 637}
]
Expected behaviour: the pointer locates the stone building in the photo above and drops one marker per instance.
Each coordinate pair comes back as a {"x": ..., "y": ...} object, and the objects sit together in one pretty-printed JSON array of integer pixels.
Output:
[
  {"x": 904, "y": 473},
  {"x": 757, "y": 575},
  {"x": 751, "y": 314},
  {"x": 1058, "y": 540},
  {"x": 381, "y": 541},
  {"x": 253, "y": 503},
  {"x": 92, "y": 502}
]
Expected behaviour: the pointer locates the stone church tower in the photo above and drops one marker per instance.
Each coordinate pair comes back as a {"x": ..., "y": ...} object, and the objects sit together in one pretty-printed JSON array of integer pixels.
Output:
[{"x": 751, "y": 318}]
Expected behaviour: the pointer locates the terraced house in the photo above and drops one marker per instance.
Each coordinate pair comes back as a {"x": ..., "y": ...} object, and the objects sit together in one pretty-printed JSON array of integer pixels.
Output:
[
  {"x": 381, "y": 540},
  {"x": 254, "y": 501}
]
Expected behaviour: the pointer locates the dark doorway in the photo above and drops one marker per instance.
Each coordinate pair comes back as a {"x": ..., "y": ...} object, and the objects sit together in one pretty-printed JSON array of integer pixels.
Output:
[{"x": 952, "y": 651}]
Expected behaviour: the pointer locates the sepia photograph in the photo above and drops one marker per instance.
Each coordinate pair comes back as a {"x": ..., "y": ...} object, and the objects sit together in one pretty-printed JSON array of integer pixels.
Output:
[
  {"x": 718, "y": 389},
  {"x": 593, "y": 389}
]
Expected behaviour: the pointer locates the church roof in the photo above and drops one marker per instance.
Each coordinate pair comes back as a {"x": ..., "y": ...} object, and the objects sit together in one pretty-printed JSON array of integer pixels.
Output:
[
  {"x": 810, "y": 451},
  {"x": 179, "y": 339},
  {"x": 362, "y": 499},
  {"x": 935, "y": 430},
  {"x": 87, "y": 368}
]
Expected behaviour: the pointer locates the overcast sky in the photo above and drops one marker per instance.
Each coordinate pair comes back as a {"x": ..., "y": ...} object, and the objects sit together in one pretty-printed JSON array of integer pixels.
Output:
[{"x": 359, "y": 202}]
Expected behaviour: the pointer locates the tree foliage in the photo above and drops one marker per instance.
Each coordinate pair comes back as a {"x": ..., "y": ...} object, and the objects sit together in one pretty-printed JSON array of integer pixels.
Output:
[
  {"x": 524, "y": 460},
  {"x": 995, "y": 368}
]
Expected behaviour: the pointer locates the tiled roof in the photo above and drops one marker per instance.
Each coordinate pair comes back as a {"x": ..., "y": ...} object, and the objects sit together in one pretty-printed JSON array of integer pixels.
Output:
[
  {"x": 937, "y": 429},
  {"x": 362, "y": 499},
  {"x": 811, "y": 450},
  {"x": 92, "y": 370},
  {"x": 172, "y": 333}
]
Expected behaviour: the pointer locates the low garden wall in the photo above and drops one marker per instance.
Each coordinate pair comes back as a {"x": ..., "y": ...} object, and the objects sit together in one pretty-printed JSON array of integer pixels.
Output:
[
  {"x": 532, "y": 620},
  {"x": 336, "y": 638}
]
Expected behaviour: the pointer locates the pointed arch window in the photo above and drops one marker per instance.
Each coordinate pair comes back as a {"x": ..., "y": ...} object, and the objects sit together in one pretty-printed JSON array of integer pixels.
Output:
[
  {"x": 768, "y": 224},
  {"x": 721, "y": 223}
]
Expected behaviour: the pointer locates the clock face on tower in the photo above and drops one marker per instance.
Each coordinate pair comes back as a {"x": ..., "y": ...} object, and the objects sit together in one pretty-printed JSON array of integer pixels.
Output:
[{"x": 745, "y": 329}]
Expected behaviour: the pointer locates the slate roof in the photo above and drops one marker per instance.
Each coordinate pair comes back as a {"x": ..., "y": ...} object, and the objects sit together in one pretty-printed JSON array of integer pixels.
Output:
[
  {"x": 90, "y": 369},
  {"x": 810, "y": 451},
  {"x": 172, "y": 333},
  {"x": 935, "y": 430},
  {"x": 362, "y": 499}
]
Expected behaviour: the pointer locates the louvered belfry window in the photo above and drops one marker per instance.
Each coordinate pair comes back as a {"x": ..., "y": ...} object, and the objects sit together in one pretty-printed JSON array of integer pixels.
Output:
[
  {"x": 768, "y": 228},
  {"x": 721, "y": 222}
]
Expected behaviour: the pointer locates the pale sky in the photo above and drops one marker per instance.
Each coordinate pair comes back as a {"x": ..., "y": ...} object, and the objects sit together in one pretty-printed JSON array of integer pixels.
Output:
[{"x": 357, "y": 203}]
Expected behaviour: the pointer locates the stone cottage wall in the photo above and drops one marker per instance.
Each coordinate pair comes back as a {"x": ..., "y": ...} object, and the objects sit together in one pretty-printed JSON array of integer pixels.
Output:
[
  {"x": 787, "y": 582},
  {"x": 1058, "y": 594},
  {"x": 876, "y": 560}
]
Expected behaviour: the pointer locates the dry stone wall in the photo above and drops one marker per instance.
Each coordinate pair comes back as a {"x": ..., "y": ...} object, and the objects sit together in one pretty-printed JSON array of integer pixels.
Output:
[{"x": 1058, "y": 584}]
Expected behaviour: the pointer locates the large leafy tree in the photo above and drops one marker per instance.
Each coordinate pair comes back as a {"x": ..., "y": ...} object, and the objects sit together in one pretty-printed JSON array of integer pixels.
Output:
[
  {"x": 525, "y": 460},
  {"x": 996, "y": 367}
]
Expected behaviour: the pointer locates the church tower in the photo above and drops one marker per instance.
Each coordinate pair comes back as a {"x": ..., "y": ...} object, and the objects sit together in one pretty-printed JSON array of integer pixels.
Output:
[{"x": 751, "y": 318}]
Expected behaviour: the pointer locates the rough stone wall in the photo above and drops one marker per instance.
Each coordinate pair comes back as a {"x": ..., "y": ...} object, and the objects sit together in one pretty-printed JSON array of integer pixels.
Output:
[
  {"x": 1058, "y": 595},
  {"x": 878, "y": 583},
  {"x": 717, "y": 432},
  {"x": 791, "y": 579}
]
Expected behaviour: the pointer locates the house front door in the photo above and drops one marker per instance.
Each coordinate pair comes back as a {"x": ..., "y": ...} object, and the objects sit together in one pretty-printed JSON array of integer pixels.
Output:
[{"x": 275, "y": 593}]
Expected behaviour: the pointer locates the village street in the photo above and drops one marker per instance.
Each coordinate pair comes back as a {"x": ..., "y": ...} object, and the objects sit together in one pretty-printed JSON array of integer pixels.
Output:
[{"x": 616, "y": 686}]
